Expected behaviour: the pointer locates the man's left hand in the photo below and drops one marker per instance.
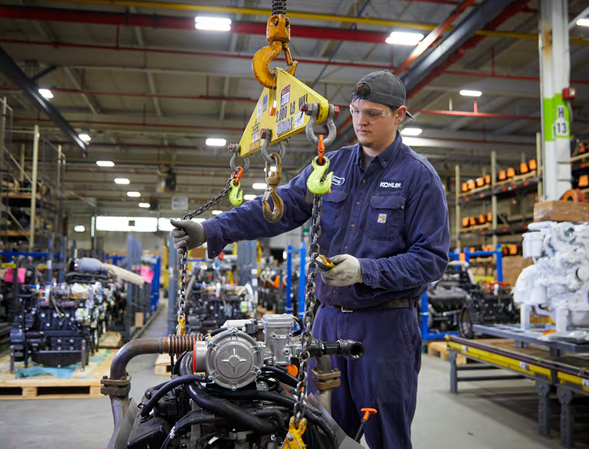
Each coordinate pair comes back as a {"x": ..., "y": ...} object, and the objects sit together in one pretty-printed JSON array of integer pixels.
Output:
[{"x": 347, "y": 271}]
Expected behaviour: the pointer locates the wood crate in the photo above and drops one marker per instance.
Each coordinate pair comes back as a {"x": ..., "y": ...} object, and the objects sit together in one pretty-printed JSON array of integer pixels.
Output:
[
  {"x": 82, "y": 383},
  {"x": 440, "y": 349}
]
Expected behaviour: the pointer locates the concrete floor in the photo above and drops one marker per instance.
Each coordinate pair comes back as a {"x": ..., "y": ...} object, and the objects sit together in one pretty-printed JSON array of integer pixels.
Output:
[{"x": 490, "y": 415}]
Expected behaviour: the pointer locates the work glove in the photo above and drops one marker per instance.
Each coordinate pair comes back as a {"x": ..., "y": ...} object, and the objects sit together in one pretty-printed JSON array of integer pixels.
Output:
[
  {"x": 347, "y": 271},
  {"x": 188, "y": 234}
]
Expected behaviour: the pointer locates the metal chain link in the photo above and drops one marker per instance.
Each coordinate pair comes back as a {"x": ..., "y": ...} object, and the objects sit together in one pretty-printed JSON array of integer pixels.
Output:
[
  {"x": 183, "y": 261},
  {"x": 310, "y": 302}
]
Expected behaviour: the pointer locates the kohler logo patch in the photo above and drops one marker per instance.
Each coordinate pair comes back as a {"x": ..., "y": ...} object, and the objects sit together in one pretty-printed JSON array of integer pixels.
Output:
[{"x": 390, "y": 185}]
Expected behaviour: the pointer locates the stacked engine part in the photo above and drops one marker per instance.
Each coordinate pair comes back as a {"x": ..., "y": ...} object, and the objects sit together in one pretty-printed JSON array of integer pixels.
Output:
[
  {"x": 457, "y": 301},
  {"x": 557, "y": 285},
  {"x": 59, "y": 324},
  {"x": 210, "y": 301},
  {"x": 271, "y": 289},
  {"x": 243, "y": 396}
]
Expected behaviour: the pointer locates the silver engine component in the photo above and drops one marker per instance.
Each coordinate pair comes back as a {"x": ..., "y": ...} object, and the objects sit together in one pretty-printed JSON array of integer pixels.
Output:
[
  {"x": 557, "y": 284},
  {"x": 233, "y": 359}
]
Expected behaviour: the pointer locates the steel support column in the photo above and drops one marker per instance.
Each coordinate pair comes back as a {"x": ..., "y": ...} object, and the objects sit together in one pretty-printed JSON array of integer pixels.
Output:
[{"x": 556, "y": 114}]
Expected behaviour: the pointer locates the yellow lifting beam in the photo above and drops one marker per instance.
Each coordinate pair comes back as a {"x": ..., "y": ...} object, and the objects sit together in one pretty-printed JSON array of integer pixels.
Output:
[{"x": 280, "y": 112}]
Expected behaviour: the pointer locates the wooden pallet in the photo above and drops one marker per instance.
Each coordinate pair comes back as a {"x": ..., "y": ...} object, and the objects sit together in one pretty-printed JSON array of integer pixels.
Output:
[
  {"x": 440, "y": 349},
  {"x": 81, "y": 384},
  {"x": 111, "y": 340},
  {"x": 162, "y": 365}
]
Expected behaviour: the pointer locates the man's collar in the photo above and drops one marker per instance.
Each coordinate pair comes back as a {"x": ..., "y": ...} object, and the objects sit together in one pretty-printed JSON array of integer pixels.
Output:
[{"x": 386, "y": 157}]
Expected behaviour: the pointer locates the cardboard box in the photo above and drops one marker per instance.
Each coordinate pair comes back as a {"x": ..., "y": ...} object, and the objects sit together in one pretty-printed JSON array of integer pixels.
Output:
[
  {"x": 561, "y": 211},
  {"x": 512, "y": 268},
  {"x": 139, "y": 318}
]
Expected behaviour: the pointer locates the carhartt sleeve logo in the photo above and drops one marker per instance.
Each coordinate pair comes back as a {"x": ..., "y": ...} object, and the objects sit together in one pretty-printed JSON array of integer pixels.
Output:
[{"x": 382, "y": 218}]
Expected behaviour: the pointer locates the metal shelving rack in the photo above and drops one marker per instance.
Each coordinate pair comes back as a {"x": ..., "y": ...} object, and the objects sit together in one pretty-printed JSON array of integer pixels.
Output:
[{"x": 494, "y": 192}]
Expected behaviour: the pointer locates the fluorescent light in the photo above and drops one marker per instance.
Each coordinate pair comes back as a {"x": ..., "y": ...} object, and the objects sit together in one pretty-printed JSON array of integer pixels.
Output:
[
  {"x": 401, "y": 38},
  {"x": 47, "y": 94},
  {"x": 249, "y": 197},
  {"x": 105, "y": 163},
  {"x": 259, "y": 185},
  {"x": 217, "y": 212},
  {"x": 411, "y": 131},
  {"x": 134, "y": 194},
  {"x": 122, "y": 181},
  {"x": 212, "y": 23},
  {"x": 79, "y": 228},
  {"x": 470, "y": 93},
  {"x": 145, "y": 205},
  {"x": 85, "y": 137},
  {"x": 583, "y": 22},
  {"x": 211, "y": 142}
]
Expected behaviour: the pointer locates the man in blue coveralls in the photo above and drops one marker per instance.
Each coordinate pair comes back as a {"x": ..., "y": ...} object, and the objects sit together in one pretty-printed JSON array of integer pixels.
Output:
[{"x": 385, "y": 226}]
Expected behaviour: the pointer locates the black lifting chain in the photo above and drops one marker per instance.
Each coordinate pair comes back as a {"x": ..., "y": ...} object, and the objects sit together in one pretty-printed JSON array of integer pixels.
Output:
[
  {"x": 278, "y": 7},
  {"x": 184, "y": 260},
  {"x": 310, "y": 302}
]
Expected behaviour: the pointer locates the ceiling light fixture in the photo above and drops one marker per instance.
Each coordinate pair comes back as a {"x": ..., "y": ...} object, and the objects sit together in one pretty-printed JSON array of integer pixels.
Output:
[
  {"x": 411, "y": 131},
  {"x": 217, "y": 212},
  {"x": 249, "y": 197},
  {"x": 122, "y": 181},
  {"x": 403, "y": 38},
  {"x": 84, "y": 137},
  {"x": 212, "y": 23},
  {"x": 79, "y": 228},
  {"x": 470, "y": 93},
  {"x": 105, "y": 163},
  {"x": 259, "y": 186},
  {"x": 583, "y": 22},
  {"x": 46, "y": 93},
  {"x": 212, "y": 142},
  {"x": 145, "y": 205},
  {"x": 134, "y": 194}
]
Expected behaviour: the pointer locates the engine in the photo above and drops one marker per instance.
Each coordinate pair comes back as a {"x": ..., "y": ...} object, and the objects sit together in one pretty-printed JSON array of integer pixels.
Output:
[
  {"x": 211, "y": 302},
  {"x": 557, "y": 285},
  {"x": 241, "y": 397},
  {"x": 59, "y": 325},
  {"x": 457, "y": 301}
]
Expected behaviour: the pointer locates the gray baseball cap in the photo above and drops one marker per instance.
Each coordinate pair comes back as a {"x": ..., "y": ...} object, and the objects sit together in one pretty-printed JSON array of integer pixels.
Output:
[{"x": 385, "y": 88}]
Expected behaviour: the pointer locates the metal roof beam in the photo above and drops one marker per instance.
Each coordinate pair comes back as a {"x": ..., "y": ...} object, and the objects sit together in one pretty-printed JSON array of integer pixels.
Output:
[{"x": 31, "y": 90}]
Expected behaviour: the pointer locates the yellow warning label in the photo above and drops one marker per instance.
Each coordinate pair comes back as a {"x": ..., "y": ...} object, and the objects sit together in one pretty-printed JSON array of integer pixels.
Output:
[{"x": 279, "y": 111}]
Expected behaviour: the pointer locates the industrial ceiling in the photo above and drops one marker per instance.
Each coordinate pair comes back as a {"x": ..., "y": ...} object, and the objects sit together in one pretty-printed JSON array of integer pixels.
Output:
[{"x": 150, "y": 89}]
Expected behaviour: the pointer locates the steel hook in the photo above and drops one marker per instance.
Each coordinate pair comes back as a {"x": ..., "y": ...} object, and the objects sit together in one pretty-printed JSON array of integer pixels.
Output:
[
  {"x": 273, "y": 178},
  {"x": 318, "y": 182},
  {"x": 275, "y": 214}
]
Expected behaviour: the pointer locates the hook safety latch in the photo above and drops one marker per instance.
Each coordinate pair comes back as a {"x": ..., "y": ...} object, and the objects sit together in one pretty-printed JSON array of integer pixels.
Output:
[
  {"x": 236, "y": 194},
  {"x": 278, "y": 36}
]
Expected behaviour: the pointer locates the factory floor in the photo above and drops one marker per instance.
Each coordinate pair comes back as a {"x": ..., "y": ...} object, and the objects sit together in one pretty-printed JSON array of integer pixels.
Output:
[{"x": 490, "y": 415}]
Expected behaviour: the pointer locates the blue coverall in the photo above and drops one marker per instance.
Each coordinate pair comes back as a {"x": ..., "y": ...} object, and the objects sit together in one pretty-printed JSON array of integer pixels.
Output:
[{"x": 393, "y": 217}]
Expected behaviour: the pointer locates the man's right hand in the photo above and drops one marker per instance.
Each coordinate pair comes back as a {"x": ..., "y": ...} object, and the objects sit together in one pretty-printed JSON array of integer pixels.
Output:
[{"x": 188, "y": 234}]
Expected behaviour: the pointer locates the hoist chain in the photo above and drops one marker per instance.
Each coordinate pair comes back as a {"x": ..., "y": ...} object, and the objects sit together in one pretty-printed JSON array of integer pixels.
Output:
[{"x": 310, "y": 302}]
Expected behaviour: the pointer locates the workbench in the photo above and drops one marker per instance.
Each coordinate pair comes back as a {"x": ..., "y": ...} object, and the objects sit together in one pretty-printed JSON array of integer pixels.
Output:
[{"x": 565, "y": 375}]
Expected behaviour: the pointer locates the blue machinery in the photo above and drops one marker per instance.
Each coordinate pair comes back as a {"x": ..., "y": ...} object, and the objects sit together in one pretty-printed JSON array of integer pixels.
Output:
[
  {"x": 302, "y": 278},
  {"x": 434, "y": 334}
]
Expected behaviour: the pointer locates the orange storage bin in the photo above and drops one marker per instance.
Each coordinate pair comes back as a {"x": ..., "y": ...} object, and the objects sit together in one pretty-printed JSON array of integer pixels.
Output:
[
  {"x": 523, "y": 168},
  {"x": 465, "y": 222},
  {"x": 502, "y": 176},
  {"x": 510, "y": 172},
  {"x": 480, "y": 182},
  {"x": 583, "y": 181},
  {"x": 471, "y": 184},
  {"x": 487, "y": 179},
  {"x": 464, "y": 187},
  {"x": 533, "y": 164}
]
